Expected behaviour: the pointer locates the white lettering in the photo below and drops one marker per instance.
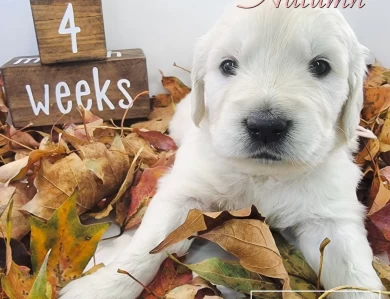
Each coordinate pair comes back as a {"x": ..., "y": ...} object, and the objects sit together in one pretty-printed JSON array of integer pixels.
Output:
[
  {"x": 72, "y": 29},
  {"x": 101, "y": 93},
  {"x": 28, "y": 60},
  {"x": 82, "y": 89},
  {"x": 125, "y": 93},
  {"x": 36, "y": 107},
  {"x": 60, "y": 95},
  {"x": 118, "y": 54}
]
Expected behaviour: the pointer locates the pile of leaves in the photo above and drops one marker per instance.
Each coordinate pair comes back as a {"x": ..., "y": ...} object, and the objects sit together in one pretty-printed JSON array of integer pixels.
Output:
[{"x": 51, "y": 177}]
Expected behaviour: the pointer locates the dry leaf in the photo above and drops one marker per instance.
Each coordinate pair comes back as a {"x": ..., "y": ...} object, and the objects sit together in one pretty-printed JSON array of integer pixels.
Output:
[
  {"x": 178, "y": 91},
  {"x": 251, "y": 241},
  {"x": 18, "y": 283},
  {"x": 133, "y": 143},
  {"x": 142, "y": 193},
  {"x": 197, "y": 289},
  {"x": 381, "y": 219},
  {"x": 72, "y": 244},
  {"x": 96, "y": 172},
  {"x": 169, "y": 276},
  {"x": 198, "y": 221},
  {"x": 20, "y": 255},
  {"x": 383, "y": 272},
  {"x": 21, "y": 138},
  {"x": 159, "y": 120},
  {"x": 159, "y": 141},
  {"x": 22, "y": 193}
]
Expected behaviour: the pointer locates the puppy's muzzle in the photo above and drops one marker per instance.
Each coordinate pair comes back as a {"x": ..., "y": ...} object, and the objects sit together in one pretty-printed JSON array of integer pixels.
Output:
[{"x": 266, "y": 129}]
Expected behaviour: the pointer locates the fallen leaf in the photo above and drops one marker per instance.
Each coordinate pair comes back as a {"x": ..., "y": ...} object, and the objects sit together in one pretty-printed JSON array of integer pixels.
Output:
[
  {"x": 197, "y": 289},
  {"x": 21, "y": 137},
  {"x": 381, "y": 199},
  {"x": 159, "y": 141},
  {"x": 376, "y": 239},
  {"x": 142, "y": 193},
  {"x": 41, "y": 289},
  {"x": 162, "y": 100},
  {"x": 232, "y": 275},
  {"x": 198, "y": 221},
  {"x": 133, "y": 143},
  {"x": 72, "y": 244},
  {"x": 381, "y": 219},
  {"x": 20, "y": 193},
  {"x": 159, "y": 119},
  {"x": 18, "y": 283},
  {"x": 384, "y": 136},
  {"x": 169, "y": 276},
  {"x": 377, "y": 101},
  {"x": 251, "y": 241},
  {"x": 96, "y": 172},
  {"x": 18, "y": 169},
  {"x": 383, "y": 272},
  {"x": 176, "y": 87}
]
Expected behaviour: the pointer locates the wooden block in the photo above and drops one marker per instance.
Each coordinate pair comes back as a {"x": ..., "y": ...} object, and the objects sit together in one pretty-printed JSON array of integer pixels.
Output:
[
  {"x": 42, "y": 94},
  {"x": 69, "y": 31}
]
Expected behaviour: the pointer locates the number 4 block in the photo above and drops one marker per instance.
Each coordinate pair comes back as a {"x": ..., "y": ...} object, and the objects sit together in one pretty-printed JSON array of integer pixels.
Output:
[{"x": 69, "y": 31}]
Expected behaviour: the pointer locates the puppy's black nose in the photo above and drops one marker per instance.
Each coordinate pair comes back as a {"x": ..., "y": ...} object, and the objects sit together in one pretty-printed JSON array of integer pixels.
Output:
[{"x": 266, "y": 128}]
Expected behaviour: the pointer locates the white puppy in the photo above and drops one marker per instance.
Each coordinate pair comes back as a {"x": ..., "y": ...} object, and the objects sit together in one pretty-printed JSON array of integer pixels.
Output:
[{"x": 275, "y": 107}]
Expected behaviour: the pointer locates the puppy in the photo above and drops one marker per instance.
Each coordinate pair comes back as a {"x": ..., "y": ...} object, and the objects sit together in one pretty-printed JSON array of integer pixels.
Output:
[{"x": 271, "y": 121}]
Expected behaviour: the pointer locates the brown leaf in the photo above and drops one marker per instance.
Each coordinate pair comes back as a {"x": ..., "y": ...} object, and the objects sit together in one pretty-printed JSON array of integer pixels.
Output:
[
  {"x": 369, "y": 151},
  {"x": 169, "y": 276},
  {"x": 384, "y": 136},
  {"x": 96, "y": 172},
  {"x": 199, "y": 288},
  {"x": 198, "y": 221},
  {"x": 159, "y": 141},
  {"x": 162, "y": 100},
  {"x": 377, "y": 100},
  {"x": 133, "y": 143},
  {"x": 381, "y": 198},
  {"x": 21, "y": 193},
  {"x": 142, "y": 193},
  {"x": 159, "y": 120},
  {"x": 251, "y": 241},
  {"x": 18, "y": 169},
  {"x": 21, "y": 137},
  {"x": 176, "y": 87},
  {"x": 376, "y": 76}
]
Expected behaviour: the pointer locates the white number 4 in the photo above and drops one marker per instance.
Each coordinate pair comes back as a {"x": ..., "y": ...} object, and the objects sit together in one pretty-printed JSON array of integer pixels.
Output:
[{"x": 72, "y": 29}]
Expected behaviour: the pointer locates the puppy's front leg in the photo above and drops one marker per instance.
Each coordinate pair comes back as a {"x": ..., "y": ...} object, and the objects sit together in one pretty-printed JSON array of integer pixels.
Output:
[
  {"x": 347, "y": 259},
  {"x": 166, "y": 212}
]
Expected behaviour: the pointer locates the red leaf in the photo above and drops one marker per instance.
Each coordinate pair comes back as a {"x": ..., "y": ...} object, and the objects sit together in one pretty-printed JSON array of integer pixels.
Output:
[
  {"x": 381, "y": 219},
  {"x": 169, "y": 276},
  {"x": 142, "y": 193},
  {"x": 159, "y": 141}
]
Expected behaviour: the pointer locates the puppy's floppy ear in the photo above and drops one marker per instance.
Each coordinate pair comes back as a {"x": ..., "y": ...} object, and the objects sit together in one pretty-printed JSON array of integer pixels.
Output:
[
  {"x": 198, "y": 105},
  {"x": 350, "y": 118}
]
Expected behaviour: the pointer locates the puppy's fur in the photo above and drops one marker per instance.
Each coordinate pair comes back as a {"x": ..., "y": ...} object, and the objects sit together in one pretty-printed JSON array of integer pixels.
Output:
[{"x": 307, "y": 191}]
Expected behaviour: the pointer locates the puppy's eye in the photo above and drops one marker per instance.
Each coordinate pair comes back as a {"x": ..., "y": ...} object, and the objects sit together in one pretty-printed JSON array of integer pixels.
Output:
[
  {"x": 229, "y": 67},
  {"x": 319, "y": 68}
]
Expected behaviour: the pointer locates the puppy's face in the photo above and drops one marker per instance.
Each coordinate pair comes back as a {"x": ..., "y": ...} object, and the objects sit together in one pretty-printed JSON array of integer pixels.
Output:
[{"x": 280, "y": 86}]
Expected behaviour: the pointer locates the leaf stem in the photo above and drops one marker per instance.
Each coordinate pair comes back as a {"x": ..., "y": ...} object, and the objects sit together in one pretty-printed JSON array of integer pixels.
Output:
[
  {"x": 127, "y": 110},
  {"x": 329, "y": 292},
  {"x": 322, "y": 249},
  {"x": 182, "y": 68}
]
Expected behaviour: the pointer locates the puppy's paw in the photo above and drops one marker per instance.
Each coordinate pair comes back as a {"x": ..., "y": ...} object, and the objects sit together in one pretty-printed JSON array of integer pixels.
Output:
[{"x": 106, "y": 283}]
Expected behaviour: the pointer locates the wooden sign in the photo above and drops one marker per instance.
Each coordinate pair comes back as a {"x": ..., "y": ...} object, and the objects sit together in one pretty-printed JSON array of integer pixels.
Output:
[
  {"x": 42, "y": 94},
  {"x": 69, "y": 31}
]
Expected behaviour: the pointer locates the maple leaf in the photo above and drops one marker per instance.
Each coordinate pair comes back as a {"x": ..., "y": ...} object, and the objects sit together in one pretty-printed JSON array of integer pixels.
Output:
[{"x": 72, "y": 244}]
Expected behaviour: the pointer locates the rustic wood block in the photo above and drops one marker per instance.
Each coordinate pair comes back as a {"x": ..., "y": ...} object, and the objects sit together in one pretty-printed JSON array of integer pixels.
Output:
[
  {"x": 42, "y": 94},
  {"x": 69, "y": 31}
]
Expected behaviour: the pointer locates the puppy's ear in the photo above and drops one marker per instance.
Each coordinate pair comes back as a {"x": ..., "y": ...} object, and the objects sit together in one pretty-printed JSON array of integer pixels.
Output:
[
  {"x": 351, "y": 112},
  {"x": 198, "y": 105}
]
